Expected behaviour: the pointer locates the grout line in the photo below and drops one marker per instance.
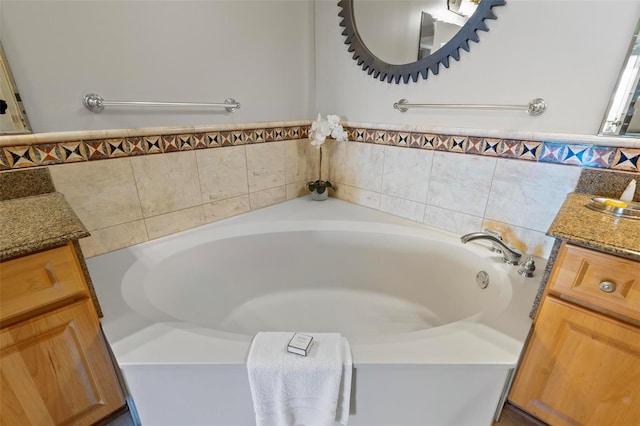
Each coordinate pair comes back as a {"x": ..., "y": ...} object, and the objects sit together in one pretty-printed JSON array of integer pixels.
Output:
[
  {"x": 198, "y": 177},
  {"x": 246, "y": 166},
  {"x": 135, "y": 183},
  {"x": 486, "y": 204},
  {"x": 426, "y": 200},
  {"x": 384, "y": 156}
]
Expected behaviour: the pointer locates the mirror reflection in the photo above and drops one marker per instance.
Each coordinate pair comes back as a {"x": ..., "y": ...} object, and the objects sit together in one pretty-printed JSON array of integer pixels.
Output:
[
  {"x": 368, "y": 54},
  {"x": 13, "y": 119},
  {"x": 622, "y": 117},
  {"x": 420, "y": 27}
]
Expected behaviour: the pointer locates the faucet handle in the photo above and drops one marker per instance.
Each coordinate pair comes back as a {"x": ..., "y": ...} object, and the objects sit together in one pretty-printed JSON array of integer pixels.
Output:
[{"x": 527, "y": 267}]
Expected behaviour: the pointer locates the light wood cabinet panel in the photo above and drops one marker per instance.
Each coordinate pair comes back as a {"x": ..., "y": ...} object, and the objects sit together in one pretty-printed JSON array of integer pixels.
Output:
[
  {"x": 55, "y": 370},
  {"x": 579, "y": 273},
  {"x": 580, "y": 368},
  {"x": 41, "y": 281}
]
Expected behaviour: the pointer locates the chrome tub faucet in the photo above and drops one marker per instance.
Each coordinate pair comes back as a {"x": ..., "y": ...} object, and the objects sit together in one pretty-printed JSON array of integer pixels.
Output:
[{"x": 509, "y": 255}]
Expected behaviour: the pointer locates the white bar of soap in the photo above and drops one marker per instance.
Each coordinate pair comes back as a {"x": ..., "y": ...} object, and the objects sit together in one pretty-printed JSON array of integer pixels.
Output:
[
  {"x": 300, "y": 344},
  {"x": 629, "y": 192}
]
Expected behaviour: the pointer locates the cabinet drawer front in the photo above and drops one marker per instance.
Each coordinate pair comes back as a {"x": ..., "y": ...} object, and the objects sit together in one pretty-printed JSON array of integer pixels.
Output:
[
  {"x": 603, "y": 280},
  {"x": 56, "y": 370},
  {"x": 38, "y": 282}
]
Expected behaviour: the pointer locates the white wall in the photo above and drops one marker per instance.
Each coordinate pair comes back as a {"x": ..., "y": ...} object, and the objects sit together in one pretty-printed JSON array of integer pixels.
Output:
[
  {"x": 565, "y": 51},
  {"x": 261, "y": 52},
  {"x": 258, "y": 52}
]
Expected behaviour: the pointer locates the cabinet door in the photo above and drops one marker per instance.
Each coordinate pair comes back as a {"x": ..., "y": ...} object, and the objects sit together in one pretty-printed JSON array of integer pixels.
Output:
[
  {"x": 580, "y": 368},
  {"x": 55, "y": 370}
]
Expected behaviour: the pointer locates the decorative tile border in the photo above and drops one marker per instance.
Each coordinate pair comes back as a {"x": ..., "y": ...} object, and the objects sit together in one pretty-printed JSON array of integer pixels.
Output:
[
  {"x": 62, "y": 152},
  {"x": 68, "y": 151},
  {"x": 583, "y": 155}
]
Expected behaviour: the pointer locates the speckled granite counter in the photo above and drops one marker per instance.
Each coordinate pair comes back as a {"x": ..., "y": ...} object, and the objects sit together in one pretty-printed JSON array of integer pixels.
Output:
[
  {"x": 37, "y": 223},
  {"x": 582, "y": 226},
  {"x": 577, "y": 224},
  {"x": 25, "y": 183}
]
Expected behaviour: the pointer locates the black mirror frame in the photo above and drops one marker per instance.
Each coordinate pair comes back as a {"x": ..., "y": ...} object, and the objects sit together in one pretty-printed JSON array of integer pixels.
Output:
[{"x": 390, "y": 72}]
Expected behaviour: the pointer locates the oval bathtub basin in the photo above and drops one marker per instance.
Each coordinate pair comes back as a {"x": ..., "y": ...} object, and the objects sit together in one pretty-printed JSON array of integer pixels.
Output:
[{"x": 429, "y": 345}]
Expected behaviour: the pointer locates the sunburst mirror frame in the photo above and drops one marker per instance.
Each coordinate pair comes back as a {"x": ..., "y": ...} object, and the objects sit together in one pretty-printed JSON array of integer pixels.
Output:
[{"x": 391, "y": 72}]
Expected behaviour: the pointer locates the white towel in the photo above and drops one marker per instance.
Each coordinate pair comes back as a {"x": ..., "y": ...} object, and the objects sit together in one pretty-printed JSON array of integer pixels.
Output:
[{"x": 289, "y": 389}]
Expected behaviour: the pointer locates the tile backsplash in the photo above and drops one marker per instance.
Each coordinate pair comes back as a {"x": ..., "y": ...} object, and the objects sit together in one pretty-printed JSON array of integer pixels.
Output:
[
  {"x": 132, "y": 194},
  {"x": 45, "y": 149},
  {"x": 459, "y": 193},
  {"x": 129, "y": 200}
]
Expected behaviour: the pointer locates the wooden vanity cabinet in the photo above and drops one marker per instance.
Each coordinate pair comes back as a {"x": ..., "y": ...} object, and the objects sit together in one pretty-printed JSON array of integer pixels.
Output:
[
  {"x": 581, "y": 365},
  {"x": 53, "y": 358}
]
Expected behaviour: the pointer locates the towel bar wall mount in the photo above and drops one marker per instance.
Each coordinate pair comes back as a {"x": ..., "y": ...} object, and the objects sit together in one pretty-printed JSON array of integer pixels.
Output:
[
  {"x": 95, "y": 103},
  {"x": 534, "y": 108}
]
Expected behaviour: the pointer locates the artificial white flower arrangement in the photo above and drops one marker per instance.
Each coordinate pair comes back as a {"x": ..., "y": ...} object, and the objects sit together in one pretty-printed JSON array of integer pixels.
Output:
[{"x": 320, "y": 130}]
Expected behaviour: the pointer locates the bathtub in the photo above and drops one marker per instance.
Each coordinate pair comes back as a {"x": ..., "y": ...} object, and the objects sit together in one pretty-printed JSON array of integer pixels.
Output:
[{"x": 429, "y": 346}]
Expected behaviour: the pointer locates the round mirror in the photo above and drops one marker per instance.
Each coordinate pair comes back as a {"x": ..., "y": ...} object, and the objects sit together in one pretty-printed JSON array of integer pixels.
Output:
[{"x": 404, "y": 39}]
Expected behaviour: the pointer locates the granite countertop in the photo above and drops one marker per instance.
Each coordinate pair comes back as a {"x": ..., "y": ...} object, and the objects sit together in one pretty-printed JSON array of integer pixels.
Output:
[
  {"x": 37, "y": 223},
  {"x": 579, "y": 225}
]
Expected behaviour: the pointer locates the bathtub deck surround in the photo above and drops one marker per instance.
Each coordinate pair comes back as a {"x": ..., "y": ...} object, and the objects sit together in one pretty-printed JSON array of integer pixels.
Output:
[{"x": 405, "y": 338}]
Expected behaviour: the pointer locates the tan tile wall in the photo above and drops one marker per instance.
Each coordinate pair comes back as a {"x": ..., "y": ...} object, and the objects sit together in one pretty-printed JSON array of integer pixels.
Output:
[
  {"x": 142, "y": 184},
  {"x": 129, "y": 200},
  {"x": 456, "y": 192}
]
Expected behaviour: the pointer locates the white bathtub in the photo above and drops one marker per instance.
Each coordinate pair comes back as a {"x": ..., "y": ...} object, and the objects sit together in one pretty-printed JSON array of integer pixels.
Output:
[{"x": 429, "y": 346}]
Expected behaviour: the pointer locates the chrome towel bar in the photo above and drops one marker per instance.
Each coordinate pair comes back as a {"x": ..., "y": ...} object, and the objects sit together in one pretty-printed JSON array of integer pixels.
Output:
[
  {"x": 535, "y": 107},
  {"x": 95, "y": 103}
]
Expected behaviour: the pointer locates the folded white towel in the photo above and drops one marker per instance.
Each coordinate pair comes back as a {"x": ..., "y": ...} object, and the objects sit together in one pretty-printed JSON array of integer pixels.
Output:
[{"x": 289, "y": 389}]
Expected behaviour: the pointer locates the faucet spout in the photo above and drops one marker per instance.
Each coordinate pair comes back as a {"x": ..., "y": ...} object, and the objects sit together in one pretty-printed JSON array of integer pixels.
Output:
[{"x": 509, "y": 255}]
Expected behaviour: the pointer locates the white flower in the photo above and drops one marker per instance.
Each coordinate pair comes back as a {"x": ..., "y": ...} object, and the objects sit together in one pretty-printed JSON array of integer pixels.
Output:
[
  {"x": 320, "y": 129},
  {"x": 339, "y": 134},
  {"x": 317, "y": 140},
  {"x": 333, "y": 120},
  {"x": 325, "y": 129},
  {"x": 316, "y": 124}
]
